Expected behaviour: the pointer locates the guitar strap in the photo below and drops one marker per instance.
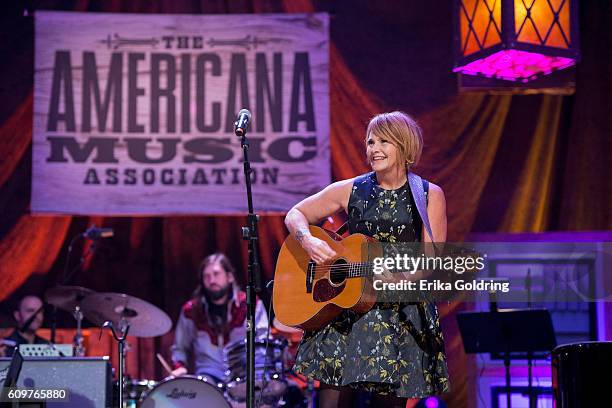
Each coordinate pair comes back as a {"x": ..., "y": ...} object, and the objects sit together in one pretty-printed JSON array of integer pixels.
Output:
[
  {"x": 418, "y": 194},
  {"x": 343, "y": 228}
]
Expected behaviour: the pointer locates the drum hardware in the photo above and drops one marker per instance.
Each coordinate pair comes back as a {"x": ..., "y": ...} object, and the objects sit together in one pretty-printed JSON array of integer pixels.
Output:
[
  {"x": 122, "y": 314},
  {"x": 269, "y": 378},
  {"x": 274, "y": 379},
  {"x": 124, "y": 328},
  {"x": 221, "y": 386},
  {"x": 79, "y": 350},
  {"x": 135, "y": 391},
  {"x": 69, "y": 298},
  {"x": 94, "y": 234},
  {"x": 144, "y": 318},
  {"x": 310, "y": 393}
]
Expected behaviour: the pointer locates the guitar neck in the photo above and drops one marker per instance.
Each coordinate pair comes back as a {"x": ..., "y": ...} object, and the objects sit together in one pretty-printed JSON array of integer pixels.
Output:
[
  {"x": 357, "y": 269},
  {"x": 348, "y": 270}
]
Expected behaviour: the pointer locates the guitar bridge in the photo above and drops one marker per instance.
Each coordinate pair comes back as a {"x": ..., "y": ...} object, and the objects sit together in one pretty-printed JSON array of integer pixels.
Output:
[{"x": 310, "y": 274}]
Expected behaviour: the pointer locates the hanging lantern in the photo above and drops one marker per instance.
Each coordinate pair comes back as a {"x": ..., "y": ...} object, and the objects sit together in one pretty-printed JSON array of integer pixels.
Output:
[{"x": 515, "y": 40}]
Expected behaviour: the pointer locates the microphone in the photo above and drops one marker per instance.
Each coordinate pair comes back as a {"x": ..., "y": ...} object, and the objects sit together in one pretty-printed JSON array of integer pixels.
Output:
[
  {"x": 95, "y": 233},
  {"x": 243, "y": 120}
]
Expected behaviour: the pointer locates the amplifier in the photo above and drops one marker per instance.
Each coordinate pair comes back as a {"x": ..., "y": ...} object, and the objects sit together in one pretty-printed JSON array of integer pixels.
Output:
[
  {"x": 46, "y": 350},
  {"x": 87, "y": 380}
]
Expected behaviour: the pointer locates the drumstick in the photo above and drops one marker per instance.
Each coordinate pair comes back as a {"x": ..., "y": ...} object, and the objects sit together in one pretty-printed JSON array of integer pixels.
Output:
[{"x": 164, "y": 363}]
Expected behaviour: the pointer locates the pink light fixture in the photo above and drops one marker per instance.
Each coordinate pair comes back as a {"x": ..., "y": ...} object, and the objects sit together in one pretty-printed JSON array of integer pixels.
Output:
[{"x": 515, "y": 40}]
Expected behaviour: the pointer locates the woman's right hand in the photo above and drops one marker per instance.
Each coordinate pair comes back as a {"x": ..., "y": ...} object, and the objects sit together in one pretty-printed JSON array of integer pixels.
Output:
[{"x": 317, "y": 249}]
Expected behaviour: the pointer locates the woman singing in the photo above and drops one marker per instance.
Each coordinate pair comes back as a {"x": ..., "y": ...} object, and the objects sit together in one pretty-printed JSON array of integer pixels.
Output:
[{"x": 395, "y": 350}]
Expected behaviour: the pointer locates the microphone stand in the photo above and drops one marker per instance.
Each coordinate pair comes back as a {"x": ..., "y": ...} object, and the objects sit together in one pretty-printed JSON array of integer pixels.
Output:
[
  {"x": 532, "y": 401},
  {"x": 250, "y": 234},
  {"x": 67, "y": 277}
]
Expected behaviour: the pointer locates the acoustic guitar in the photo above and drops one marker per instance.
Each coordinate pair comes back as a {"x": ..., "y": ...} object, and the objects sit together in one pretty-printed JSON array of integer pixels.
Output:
[{"x": 308, "y": 296}]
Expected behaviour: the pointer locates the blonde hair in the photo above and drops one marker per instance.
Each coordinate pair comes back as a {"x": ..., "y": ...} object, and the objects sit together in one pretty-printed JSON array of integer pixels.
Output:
[{"x": 401, "y": 130}]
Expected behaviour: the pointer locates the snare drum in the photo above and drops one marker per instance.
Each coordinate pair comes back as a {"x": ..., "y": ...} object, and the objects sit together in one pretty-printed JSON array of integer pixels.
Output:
[
  {"x": 271, "y": 385},
  {"x": 185, "y": 392}
]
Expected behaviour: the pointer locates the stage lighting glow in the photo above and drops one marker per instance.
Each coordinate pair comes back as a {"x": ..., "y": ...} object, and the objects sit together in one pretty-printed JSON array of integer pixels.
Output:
[
  {"x": 515, "y": 40},
  {"x": 514, "y": 65},
  {"x": 432, "y": 402}
]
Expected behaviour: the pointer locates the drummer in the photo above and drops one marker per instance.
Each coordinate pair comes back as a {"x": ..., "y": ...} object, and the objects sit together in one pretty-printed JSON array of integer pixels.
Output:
[
  {"x": 26, "y": 308},
  {"x": 214, "y": 317}
]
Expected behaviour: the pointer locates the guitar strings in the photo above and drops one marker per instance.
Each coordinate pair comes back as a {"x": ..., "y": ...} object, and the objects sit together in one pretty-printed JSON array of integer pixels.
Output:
[
  {"x": 347, "y": 265},
  {"x": 342, "y": 269},
  {"x": 339, "y": 270},
  {"x": 360, "y": 268}
]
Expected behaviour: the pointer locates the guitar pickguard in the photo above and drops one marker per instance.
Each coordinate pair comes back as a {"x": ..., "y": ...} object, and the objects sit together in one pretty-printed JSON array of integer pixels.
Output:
[{"x": 325, "y": 291}]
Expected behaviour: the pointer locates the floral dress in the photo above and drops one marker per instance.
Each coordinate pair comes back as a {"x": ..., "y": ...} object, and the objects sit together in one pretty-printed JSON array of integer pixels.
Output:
[{"x": 394, "y": 348}]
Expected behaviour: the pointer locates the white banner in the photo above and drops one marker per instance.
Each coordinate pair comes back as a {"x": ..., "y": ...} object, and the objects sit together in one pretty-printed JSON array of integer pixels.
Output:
[{"x": 134, "y": 113}]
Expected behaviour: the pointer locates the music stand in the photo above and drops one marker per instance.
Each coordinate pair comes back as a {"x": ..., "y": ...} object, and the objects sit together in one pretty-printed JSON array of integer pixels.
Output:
[
  {"x": 506, "y": 331},
  {"x": 11, "y": 377}
]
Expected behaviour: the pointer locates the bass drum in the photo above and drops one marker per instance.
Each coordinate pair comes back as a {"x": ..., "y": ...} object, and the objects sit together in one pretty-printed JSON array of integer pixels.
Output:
[{"x": 185, "y": 392}]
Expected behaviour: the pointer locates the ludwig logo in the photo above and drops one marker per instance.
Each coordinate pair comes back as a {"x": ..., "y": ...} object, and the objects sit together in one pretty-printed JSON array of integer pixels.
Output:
[{"x": 179, "y": 393}]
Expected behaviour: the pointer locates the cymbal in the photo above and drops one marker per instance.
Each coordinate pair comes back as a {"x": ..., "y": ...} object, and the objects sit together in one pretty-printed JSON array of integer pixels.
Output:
[
  {"x": 283, "y": 328},
  {"x": 67, "y": 297},
  {"x": 144, "y": 318}
]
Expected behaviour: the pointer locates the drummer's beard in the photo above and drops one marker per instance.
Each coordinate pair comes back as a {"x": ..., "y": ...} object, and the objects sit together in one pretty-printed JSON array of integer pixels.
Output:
[{"x": 217, "y": 294}]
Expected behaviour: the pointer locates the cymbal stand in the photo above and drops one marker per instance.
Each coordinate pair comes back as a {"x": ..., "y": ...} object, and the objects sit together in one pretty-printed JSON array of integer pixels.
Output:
[
  {"x": 79, "y": 349},
  {"x": 310, "y": 392},
  {"x": 68, "y": 275},
  {"x": 124, "y": 328}
]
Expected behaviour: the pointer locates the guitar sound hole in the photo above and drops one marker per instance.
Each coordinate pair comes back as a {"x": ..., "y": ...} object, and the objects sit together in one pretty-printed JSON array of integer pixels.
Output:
[{"x": 338, "y": 272}]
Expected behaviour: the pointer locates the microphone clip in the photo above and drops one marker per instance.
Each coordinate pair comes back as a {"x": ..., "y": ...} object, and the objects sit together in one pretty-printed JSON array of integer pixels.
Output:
[{"x": 94, "y": 233}]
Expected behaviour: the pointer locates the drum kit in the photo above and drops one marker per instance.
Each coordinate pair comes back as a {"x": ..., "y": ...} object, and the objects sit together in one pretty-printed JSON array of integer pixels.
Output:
[{"x": 273, "y": 356}]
